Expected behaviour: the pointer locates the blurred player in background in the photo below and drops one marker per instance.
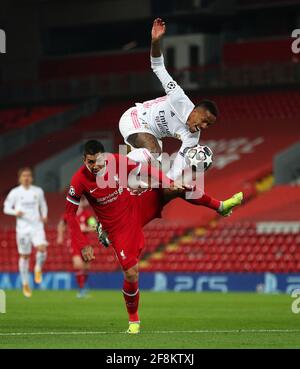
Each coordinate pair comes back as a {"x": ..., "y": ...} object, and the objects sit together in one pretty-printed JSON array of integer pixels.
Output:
[
  {"x": 87, "y": 223},
  {"x": 173, "y": 115},
  {"x": 27, "y": 203}
]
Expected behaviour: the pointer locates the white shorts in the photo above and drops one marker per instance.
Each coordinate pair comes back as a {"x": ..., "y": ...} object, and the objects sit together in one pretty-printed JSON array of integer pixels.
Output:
[
  {"x": 35, "y": 237},
  {"x": 130, "y": 123}
]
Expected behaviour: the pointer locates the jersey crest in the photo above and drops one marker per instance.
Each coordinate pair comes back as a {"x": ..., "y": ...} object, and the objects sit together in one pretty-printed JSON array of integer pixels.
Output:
[{"x": 72, "y": 191}]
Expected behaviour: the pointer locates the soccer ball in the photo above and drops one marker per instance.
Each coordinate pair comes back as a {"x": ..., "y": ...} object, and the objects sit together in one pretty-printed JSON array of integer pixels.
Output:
[{"x": 199, "y": 157}]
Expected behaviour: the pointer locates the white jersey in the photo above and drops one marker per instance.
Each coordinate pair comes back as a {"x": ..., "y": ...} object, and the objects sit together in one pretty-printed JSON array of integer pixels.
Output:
[
  {"x": 167, "y": 116},
  {"x": 163, "y": 117},
  {"x": 31, "y": 202}
]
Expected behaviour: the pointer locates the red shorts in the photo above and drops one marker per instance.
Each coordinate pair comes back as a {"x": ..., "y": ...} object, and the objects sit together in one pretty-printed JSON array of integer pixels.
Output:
[
  {"x": 128, "y": 241},
  {"x": 75, "y": 251}
]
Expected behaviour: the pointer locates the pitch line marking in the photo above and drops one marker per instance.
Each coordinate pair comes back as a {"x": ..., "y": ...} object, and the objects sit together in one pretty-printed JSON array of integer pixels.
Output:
[{"x": 152, "y": 332}]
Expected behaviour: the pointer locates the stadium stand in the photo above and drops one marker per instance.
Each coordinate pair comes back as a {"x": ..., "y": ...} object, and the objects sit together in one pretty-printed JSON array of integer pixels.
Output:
[
  {"x": 49, "y": 145},
  {"x": 80, "y": 66},
  {"x": 242, "y": 243},
  {"x": 257, "y": 51},
  {"x": 11, "y": 119},
  {"x": 244, "y": 146},
  {"x": 255, "y": 111}
]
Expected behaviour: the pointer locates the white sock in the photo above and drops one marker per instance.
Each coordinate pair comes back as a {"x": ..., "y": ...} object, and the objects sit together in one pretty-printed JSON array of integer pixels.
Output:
[
  {"x": 140, "y": 155},
  {"x": 40, "y": 258},
  {"x": 24, "y": 270}
]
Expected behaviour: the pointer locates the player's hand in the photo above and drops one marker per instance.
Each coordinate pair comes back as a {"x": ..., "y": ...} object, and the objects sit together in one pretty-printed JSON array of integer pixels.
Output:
[
  {"x": 44, "y": 220},
  {"x": 88, "y": 253},
  {"x": 83, "y": 228},
  {"x": 158, "y": 29},
  {"x": 137, "y": 191},
  {"x": 19, "y": 214},
  {"x": 59, "y": 240}
]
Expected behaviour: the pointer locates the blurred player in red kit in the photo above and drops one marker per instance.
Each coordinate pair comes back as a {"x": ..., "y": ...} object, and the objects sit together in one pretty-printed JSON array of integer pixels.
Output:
[
  {"x": 121, "y": 214},
  {"x": 87, "y": 222}
]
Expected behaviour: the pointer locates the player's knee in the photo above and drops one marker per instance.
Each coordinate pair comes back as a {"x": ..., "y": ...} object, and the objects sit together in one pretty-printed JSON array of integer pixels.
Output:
[
  {"x": 145, "y": 141},
  {"x": 132, "y": 274},
  {"x": 41, "y": 248},
  {"x": 154, "y": 149},
  {"x": 24, "y": 256},
  {"x": 78, "y": 263}
]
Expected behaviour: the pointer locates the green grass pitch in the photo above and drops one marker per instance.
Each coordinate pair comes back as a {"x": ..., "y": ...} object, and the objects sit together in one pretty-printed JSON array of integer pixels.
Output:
[{"x": 58, "y": 319}]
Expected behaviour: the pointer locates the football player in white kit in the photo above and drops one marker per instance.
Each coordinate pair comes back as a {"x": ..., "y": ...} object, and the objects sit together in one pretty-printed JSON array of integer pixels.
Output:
[
  {"x": 27, "y": 203},
  {"x": 174, "y": 115}
]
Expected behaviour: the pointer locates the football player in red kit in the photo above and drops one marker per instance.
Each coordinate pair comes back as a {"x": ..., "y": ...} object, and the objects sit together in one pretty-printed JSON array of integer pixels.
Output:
[
  {"x": 121, "y": 214},
  {"x": 88, "y": 223}
]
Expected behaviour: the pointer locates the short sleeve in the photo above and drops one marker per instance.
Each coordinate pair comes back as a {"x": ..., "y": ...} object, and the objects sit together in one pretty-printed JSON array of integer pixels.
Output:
[
  {"x": 181, "y": 104},
  {"x": 75, "y": 190}
]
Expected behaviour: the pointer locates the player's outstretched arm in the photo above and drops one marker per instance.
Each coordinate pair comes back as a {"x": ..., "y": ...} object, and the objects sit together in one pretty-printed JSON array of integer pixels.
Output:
[
  {"x": 157, "y": 32},
  {"x": 171, "y": 88}
]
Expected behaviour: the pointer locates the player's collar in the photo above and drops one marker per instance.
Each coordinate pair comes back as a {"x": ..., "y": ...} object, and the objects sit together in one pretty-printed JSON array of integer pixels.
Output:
[
  {"x": 88, "y": 172},
  {"x": 26, "y": 188}
]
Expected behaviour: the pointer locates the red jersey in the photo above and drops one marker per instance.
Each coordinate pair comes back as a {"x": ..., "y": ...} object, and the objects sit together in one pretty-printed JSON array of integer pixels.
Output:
[
  {"x": 110, "y": 204},
  {"x": 121, "y": 214}
]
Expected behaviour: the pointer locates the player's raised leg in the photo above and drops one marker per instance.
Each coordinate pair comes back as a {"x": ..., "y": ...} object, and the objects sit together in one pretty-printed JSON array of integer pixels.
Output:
[
  {"x": 145, "y": 147},
  {"x": 224, "y": 208}
]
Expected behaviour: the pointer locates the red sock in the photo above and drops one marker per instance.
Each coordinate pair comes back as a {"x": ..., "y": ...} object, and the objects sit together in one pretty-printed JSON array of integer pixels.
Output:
[
  {"x": 81, "y": 278},
  {"x": 86, "y": 276},
  {"x": 207, "y": 201},
  {"x": 131, "y": 296}
]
